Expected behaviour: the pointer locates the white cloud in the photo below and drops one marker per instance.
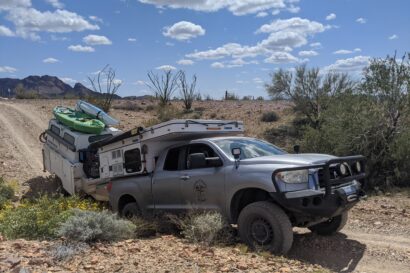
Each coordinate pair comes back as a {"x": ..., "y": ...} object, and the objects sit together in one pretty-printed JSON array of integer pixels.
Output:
[
  {"x": 185, "y": 62},
  {"x": 10, "y": 4},
  {"x": 346, "y": 51},
  {"x": 132, "y": 40},
  {"x": 275, "y": 12},
  {"x": 56, "y": 4},
  {"x": 281, "y": 57},
  {"x": 50, "y": 60},
  {"x": 284, "y": 36},
  {"x": 331, "y": 16},
  {"x": 139, "y": 82},
  {"x": 169, "y": 44},
  {"x": 80, "y": 48},
  {"x": 316, "y": 45},
  {"x": 217, "y": 65},
  {"x": 7, "y": 69},
  {"x": 361, "y": 20},
  {"x": 69, "y": 81},
  {"x": 354, "y": 64},
  {"x": 241, "y": 7},
  {"x": 183, "y": 31},
  {"x": 393, "y": 37},
  {"x": 166, "y": 67},
  {"x": 29, "y": 21},
  {"x": 308, "y": 53},
  {"x": 96, "y": 40},
  {"x": 5, "y": 31},
  {"x": 262, "y": 14},
  {"x": 95, "y": 19},
  {"x": 258, "y": 80}
]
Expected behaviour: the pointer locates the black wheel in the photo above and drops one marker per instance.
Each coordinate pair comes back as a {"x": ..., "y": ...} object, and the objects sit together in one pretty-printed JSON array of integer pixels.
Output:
[
  {"x": 330, "y": 226},
  {"x": 130, "y": 210},
  {"x": 263, "y": 225}
]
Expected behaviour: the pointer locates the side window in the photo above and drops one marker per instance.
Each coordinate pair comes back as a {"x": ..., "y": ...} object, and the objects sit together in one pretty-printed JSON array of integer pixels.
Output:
[
  {"x": 132, "y": 161},
  {"x": 55, "y": 130},
  {"x": 172, "y": 159},
  {"x": 199, "y": 148},
  {"x": 69, "y": 138}
]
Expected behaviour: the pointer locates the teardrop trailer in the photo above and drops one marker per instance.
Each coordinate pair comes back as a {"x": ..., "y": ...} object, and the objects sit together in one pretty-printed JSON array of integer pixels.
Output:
[{"x": 209, "y": 165}]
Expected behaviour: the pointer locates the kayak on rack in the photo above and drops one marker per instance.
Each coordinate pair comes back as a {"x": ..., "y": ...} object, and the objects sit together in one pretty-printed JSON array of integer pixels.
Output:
[
  {"x": 78, "y": 121},
  {"x": 96, "y": 112}
]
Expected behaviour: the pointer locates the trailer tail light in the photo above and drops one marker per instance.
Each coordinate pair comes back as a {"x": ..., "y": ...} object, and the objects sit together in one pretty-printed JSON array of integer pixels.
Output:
[{"x": 109, "y": 186}]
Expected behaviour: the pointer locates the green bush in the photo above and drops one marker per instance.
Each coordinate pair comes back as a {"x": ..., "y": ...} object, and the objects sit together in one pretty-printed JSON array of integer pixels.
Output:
[
  {"x": 168, "y": 112},
  {"x": 6, "y": 193},
  {"x": 203, "y": 227},
  {"x": 39, "y": 219},
  {"x": 92, "y": 226},
  {"x": 269, "y": 116}
]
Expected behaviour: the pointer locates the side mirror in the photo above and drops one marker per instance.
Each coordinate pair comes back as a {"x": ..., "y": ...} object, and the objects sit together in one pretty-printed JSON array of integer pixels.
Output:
[
  {"x": 236, "y": 152},
  {"x": 214, "y": 162},
  {"x": 296, "y": 149},
  {"x": 196, "y": 161}
]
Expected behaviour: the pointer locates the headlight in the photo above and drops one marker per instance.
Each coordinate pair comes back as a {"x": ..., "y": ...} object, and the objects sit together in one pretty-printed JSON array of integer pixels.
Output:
[
  {"x": 299, "y": 176},
  {"x": 341, "y": 169}
]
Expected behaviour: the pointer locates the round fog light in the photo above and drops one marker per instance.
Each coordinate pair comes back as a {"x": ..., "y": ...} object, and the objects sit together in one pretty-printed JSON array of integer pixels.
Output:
[
  {"x": 341, "y": 168},
  {"x": 358, "y": 166}
]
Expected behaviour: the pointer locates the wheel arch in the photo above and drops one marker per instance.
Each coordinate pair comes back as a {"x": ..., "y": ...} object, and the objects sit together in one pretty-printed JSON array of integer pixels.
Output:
[{"x": 125, "y": 199}]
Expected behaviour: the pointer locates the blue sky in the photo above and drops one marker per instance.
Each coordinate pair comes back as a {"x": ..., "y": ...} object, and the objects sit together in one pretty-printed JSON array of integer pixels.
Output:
[{"x": 229, "y": 44}]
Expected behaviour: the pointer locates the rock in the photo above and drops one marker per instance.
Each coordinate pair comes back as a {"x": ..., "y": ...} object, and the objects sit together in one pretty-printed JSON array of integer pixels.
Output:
[
  {"x": 20, "y": 270},
  {"x": 12, "y": 261},
  {"x": 284, "y": 269},
  {"x": 242, "y": 266},
  {"x": 378, "y": 223}
]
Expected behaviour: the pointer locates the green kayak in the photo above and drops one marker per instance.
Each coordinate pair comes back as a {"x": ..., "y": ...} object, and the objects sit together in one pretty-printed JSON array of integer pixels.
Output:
[{"x": 78, "y": 121}]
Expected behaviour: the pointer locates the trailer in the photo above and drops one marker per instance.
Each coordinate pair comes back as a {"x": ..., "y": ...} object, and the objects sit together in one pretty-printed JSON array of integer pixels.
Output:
[{"x": 87, "y": 162}]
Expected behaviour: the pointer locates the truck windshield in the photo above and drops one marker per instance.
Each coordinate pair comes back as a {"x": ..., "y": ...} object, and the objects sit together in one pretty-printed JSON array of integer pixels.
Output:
[{"x": 250, "y": 148}]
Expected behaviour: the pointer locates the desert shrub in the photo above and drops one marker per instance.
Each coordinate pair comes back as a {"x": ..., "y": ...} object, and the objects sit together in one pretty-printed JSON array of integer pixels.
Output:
[
  {"x": 260, "y": 98},
  {"x": 283, "y": 136},
  {"x": 6, "y": 192},
  {"x": 247, "y": 98},
  {"x": 29, "y": 95},
  {"x": 65, "y": 251},
  {"x": 91, "y": 226},
  {"x": 231, "y": 96},
  {"x": 213, "y": 115},
  {"x": 128, "y": 106},
  {"x": 149, "y": 108},
  {"x": 168, "y": 112},
  {"x": 146, "y": 227},
  {"x": 39, "y": 219},
  {"x": 201, "y": 227},
  {"x": 269, "y": 116}
]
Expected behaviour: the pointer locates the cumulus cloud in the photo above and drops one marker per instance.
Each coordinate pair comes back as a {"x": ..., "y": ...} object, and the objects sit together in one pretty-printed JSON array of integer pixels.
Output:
[
  {"x": 354, "y": 64},
  {"x": 242, "y": 7},
  {"x": 96, "y": 40},
  {"x": 139, "y": 82},
  {"x": 10, "y": 4},
  {"x": 5, "y": 31},
  {"x": 50, "y": 60},
  {"x": 183, "y": 31},
  {"x": 68, "y": 80},
  {"x": 7, "y": 69},
  {"x": 95, "y": 18},
  {"x": 166, "y": 67},
  {"x": 316, "y": 45},
  {"x": 185, "y": 62},
  {"x": 132, "y": 40},
  {"x": 56, "y": 4},
  {"x": 262, "y": 14},
  {"x": 308, "y": 53},
  {"x": 361, "y": 20},
  {"x": 393, "y": 37},
  {"x": 80, "y": 48},
  {"x": 283, "y": 37},
  {"x": 217, "y": 65},
  {"x": 331, "y": 16}
]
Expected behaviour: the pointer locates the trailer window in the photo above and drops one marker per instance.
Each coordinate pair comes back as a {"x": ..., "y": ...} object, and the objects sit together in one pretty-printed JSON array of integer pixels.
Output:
[
  {"x": 132, "y": 161},
  {"x": 172, "y": 159},
  {"x": 69, "y": 138},
  {"x": 55, "y": 130}
]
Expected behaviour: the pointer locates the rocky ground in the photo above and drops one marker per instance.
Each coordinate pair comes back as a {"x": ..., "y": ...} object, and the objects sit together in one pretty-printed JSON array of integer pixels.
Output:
[{"x": 376, "y": 238}]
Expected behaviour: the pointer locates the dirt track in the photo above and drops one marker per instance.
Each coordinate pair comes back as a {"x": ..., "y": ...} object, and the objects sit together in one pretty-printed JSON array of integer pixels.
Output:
[{"x": 378, "y": 244}]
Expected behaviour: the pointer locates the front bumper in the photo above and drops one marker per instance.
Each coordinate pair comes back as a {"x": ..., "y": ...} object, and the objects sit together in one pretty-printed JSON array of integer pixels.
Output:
[{"x": 337, "y": 195}]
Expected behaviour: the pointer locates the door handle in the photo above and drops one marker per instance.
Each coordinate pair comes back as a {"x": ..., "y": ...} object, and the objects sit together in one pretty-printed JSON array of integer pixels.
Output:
[{"x": 184, "y": 177}]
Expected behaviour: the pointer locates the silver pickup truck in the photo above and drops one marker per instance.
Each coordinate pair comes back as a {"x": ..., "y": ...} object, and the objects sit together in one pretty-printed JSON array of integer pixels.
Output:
[{"x": 254, "y": 184}]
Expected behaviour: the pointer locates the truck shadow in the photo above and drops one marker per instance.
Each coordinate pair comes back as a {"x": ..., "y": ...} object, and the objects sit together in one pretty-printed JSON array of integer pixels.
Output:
[
  {"x": 40, "y": 185},
  {"x": 336, "y": 252}
]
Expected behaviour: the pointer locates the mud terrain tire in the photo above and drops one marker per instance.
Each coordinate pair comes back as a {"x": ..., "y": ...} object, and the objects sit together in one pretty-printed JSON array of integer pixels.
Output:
[{"x": 130, "y": 210}]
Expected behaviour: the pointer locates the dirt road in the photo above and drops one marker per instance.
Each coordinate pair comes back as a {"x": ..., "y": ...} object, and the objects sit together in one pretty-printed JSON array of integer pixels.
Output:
[{"x": 377, "y": 238}]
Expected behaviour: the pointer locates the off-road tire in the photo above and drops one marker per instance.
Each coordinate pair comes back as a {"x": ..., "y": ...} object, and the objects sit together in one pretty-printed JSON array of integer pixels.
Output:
[
  {"x": 130, "y": 210},
  {"x": 330, "y": 226},
  {"x": 265, "y": 226}
]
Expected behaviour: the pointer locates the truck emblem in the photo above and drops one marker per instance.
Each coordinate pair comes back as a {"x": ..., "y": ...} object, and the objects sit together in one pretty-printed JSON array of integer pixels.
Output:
[{"x": 200, "y": 190}]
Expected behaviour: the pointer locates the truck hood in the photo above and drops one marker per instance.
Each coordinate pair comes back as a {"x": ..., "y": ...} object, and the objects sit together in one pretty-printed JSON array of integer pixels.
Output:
[{"x": 290, "y": 159}]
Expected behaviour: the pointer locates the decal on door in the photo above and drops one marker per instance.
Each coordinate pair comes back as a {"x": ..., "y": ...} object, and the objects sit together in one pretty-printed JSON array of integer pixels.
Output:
[{"x": 200, "y": 190}]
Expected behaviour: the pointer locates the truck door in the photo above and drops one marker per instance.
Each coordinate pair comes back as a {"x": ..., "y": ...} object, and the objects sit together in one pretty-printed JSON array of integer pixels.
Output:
[
  {"x": 166, "y": 181},
  {"x": 202, "y": 187}
]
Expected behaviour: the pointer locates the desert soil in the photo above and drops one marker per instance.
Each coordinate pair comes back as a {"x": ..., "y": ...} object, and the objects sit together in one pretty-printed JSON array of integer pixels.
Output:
[{"x": 376, "y": 238}]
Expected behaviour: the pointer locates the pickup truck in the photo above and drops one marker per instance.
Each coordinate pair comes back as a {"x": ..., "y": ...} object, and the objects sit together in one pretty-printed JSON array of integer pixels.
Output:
[{"x": 254, "y": 184}]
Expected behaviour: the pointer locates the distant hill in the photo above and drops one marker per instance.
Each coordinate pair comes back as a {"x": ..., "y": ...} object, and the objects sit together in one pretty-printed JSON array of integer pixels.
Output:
[{"x": 45, "y": 87}]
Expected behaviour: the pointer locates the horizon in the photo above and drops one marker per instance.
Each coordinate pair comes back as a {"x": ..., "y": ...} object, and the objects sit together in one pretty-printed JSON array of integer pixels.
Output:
[{"x": 230, "y": 45}]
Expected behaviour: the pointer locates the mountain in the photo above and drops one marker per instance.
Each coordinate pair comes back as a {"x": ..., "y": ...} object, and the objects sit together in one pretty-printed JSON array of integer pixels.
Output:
[{"x": 45, "y": 87}]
